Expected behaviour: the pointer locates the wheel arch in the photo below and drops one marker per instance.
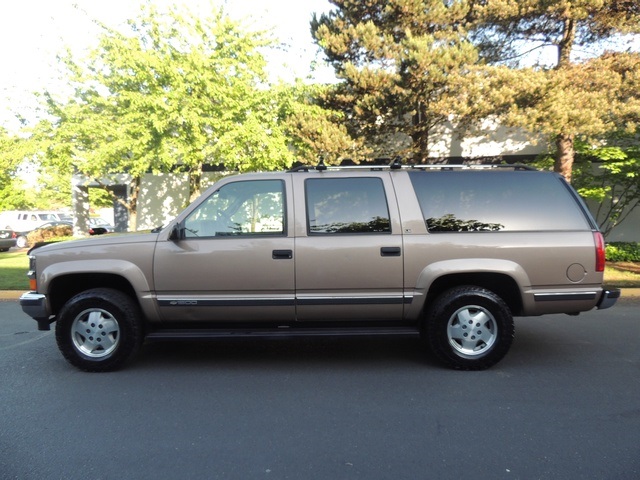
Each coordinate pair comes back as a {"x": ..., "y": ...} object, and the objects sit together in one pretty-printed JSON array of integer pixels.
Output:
[
  {"x": 505, "y": 278},
  {"x": 62, "y": 281}
]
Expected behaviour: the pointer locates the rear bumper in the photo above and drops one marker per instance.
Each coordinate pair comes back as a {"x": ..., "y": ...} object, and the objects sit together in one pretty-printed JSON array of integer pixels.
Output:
[
  {"x": 608, "y": 298},
  {"x": 35, "y": 305}
]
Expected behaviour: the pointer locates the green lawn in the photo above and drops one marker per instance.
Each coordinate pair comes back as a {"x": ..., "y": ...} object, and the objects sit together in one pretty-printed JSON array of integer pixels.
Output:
[
  {"x": 13, "y": 270},
  {"x": 14, "y": 266}
]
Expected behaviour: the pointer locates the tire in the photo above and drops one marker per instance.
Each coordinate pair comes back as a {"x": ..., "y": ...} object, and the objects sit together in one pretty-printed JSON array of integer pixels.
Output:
[
  {"x": 99, "y": 330},
  {"x": 469, "y": 328},
  {"x": 21, "y": 241}
]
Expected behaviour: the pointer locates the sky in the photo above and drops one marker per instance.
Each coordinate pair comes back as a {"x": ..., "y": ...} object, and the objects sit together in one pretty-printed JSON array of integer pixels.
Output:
[{"x": 33, "y": 32}]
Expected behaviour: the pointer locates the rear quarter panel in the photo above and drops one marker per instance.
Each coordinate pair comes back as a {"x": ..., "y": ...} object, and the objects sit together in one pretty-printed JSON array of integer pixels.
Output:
[{"x": 539, "y": 262}]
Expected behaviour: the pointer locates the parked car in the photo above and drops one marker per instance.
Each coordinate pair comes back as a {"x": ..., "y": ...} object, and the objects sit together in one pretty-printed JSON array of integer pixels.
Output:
[
  {"x": 7, "y": 240},
  {"x": 450, "y": 253},
  {"x": 99, "y": 226},
  {"x": 22, "y": 238}
]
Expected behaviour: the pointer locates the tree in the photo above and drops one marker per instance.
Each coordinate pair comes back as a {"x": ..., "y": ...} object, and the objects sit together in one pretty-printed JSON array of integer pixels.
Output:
[
  {"x": 314, "y": 129},
  {"x": 610, "y": 177},
  {"x": 12, "y": 192},
  {"x": 575, "y": 94},
  {"x": 395, "y": 60},
  {"x": 171, "y": 94}
]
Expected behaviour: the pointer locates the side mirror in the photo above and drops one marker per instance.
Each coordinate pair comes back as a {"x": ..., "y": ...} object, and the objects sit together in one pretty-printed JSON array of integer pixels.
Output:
[{"x": 177, "y": 233}]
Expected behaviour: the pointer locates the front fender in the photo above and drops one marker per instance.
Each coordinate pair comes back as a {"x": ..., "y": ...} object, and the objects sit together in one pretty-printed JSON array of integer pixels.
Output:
[
  {"x": 123, "y": 268},
  {"x": 127, "y": 270}
]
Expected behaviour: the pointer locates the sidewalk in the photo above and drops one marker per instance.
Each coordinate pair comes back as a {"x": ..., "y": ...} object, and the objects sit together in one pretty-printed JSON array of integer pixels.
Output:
[{"x": 15, "y": 294}]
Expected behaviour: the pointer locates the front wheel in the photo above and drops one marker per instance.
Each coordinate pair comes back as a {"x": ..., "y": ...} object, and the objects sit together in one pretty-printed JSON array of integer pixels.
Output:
[
  {"x": 469, "y": 328},
  {"x": 99, "y": 330}
]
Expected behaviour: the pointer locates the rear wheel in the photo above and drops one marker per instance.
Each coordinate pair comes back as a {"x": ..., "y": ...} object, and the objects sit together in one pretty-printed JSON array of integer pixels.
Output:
[
  {"x": 21, "y": 241},
  {"x": 469, "y": 328},
  {"x": 99, "y": 330}
]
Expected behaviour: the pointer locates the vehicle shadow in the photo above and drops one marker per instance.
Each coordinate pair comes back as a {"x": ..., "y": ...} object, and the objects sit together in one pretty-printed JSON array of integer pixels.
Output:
[{"x": 292, "y": 352}]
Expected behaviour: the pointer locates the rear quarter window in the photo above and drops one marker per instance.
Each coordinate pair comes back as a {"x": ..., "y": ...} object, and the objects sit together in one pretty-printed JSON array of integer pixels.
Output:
[{"x": 481, "y": 201}]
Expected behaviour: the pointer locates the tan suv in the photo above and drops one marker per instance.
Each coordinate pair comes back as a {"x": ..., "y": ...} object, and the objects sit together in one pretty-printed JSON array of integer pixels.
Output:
[{"x": 449, "y": 252}]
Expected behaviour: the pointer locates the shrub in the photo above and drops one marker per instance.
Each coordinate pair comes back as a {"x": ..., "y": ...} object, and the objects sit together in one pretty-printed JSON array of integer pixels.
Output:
[
  {"x": 623, "y": 252},
  {"x": 49, "y": 233}
]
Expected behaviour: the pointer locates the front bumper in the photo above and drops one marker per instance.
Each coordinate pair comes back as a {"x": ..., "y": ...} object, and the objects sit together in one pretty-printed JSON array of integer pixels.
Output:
[
  {"x": 35, "y": 305},
  {"x": 608, "y": 298}
]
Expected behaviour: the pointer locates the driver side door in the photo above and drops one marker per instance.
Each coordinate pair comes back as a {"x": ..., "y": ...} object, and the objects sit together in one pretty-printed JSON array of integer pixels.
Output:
[{"x": 234, "y": 260}]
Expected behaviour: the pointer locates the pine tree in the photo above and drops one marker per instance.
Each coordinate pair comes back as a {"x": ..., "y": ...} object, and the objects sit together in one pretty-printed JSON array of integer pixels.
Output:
[
  {"x": 395, "y": 59},
  {"x": 574, "y": 91}
]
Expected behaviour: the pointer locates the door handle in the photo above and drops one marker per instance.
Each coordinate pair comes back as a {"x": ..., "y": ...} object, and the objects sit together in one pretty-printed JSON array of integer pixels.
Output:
[
  {"x": 282, "y": 254},
  {"x": 390, "y": 251}
]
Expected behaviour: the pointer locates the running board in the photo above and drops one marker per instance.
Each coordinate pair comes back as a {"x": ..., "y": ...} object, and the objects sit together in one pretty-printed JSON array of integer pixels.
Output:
[{"x": 195, "y": 334}]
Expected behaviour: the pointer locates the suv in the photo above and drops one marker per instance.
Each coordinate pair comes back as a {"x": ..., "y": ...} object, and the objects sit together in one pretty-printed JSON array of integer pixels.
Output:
[
  {"x": 27, "y": 220},
  {"x": 448, "y": 252}
]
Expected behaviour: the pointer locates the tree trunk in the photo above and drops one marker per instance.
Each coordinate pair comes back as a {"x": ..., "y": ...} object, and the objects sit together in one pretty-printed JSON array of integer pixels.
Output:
[
  {"x": 566, "y": 44},
  {"x": 195, "y": 182},
  {"x": 132, "y": 203},
  {"x": 420, "y": 135},
  {"x": 565, "y": 153},
  {"x": 420, "y": 146}
]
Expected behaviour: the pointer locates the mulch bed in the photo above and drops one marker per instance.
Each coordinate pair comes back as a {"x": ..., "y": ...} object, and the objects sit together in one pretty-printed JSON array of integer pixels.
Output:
[{"x": 633, "y": 267}]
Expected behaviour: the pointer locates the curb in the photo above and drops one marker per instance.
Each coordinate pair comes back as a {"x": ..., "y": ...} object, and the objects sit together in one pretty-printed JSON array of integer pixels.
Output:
[{"x": 11, "y": 294}]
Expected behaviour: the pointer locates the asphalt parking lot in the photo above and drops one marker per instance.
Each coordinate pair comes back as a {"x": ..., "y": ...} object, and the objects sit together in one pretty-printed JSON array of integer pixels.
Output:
[{"x": 564, "y": 403}]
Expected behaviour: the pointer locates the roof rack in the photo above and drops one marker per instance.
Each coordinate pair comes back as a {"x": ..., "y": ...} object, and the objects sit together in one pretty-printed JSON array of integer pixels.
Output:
[
  {"x": 396, "y": 164},
  {"x": 500, "y": 166}
]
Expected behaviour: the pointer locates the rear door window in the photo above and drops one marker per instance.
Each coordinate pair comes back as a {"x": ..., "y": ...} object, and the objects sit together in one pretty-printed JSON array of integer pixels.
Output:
[{"x": 346, "y": 206}]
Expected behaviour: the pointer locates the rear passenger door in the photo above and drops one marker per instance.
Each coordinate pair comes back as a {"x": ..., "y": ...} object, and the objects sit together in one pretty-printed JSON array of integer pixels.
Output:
[{"x": 348, "y": 248}]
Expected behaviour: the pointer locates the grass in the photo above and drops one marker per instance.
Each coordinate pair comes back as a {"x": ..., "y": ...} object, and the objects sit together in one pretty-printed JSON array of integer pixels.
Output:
[
  {"x": 13, "y": 270},
  {"x": 14, "y": 266}
]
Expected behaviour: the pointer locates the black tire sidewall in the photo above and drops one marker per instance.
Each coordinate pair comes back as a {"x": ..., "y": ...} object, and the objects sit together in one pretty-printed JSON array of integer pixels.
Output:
[
  {"x": 121, "y": 307},
  {"x": 439, "y": 314}
]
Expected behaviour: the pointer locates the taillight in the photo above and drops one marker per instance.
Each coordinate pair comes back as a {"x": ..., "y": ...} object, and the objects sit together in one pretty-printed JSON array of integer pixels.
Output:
[{"x": 600, "y": 254}]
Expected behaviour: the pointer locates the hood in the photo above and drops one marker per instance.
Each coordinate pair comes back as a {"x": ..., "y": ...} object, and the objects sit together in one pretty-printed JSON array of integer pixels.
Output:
[{"x": 97, "y": 241}]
